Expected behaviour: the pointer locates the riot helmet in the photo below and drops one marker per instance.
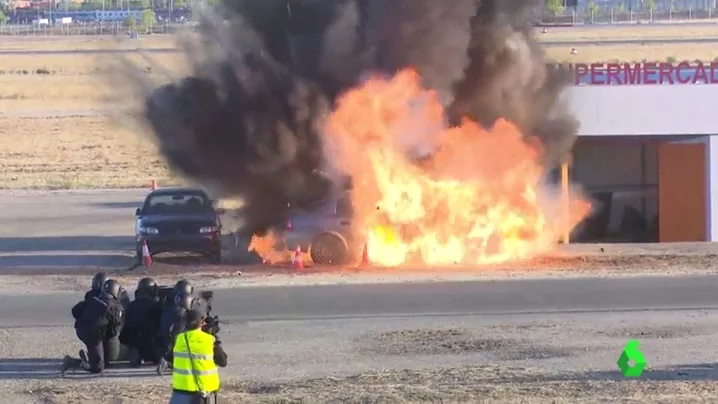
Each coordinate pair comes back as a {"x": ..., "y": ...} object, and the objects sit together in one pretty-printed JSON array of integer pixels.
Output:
[
  {"x": 98, "y": 281},
  {"x": 183, "y": 287},
  {"x": 112, "y": 288},
  {"x": 184, "y": 301},
  {"x": 146, "y": 287}
]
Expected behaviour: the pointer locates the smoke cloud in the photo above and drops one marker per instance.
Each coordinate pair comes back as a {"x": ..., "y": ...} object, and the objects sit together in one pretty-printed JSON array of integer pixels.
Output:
[{"x": 265, "y": 73}]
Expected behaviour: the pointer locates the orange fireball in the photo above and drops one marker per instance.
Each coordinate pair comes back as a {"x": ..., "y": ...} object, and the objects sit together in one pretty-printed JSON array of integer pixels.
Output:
[{"x": 479, "y": 196}]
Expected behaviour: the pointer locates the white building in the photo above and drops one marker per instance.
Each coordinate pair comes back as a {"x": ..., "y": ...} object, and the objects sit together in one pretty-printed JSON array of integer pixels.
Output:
[{"x": 651, "y": 146}]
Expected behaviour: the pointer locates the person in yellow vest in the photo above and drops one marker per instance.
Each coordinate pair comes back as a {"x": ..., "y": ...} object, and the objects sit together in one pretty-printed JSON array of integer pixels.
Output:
[{"x": 195, "y": 377}]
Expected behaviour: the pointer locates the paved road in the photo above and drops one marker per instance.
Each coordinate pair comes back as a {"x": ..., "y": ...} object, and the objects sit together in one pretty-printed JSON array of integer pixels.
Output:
[
  {"x": 422, "y": 300},
  {"x": 62, "y": 229},
  {"x": 84, "y": 51},
  {"x": 71, "y": 229}
]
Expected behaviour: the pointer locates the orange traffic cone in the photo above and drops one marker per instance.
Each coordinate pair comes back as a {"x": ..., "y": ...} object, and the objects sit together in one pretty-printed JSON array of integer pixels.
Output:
[
  {"x": 153, "y": 185},
  {"x": 297, "y": 259},
  {"x": 146, "y": 257}
]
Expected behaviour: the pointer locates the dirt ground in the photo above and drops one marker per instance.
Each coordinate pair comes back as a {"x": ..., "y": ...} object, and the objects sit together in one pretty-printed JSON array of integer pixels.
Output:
[
  {"x": 628, "y": 32},
  {"x": 71, "y": 152},
  {"x": 552, "y": 359},
  {"x": 705, "y": 52},
  {"x": 493, "y": 384},
  {"x": 84, "y": 42}
]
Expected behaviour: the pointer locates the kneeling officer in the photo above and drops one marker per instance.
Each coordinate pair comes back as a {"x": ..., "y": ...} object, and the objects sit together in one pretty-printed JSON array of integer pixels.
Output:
[
  {"x": 97, "y": 324},
  {"x": 195, "y": 377},
  {"x": 141, "y": 320}
]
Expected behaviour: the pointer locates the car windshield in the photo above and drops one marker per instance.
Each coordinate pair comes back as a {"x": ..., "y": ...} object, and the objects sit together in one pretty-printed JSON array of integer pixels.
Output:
[{"x": 177, "y": 203}]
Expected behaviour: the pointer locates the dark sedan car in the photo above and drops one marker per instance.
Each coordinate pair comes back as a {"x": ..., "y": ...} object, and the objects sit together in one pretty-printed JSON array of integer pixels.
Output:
[{"x": 179, "y": 220}]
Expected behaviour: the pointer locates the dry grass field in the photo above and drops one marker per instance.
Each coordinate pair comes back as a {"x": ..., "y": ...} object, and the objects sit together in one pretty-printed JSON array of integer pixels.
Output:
[
  {"x": 628, "y": 32},
  {"x": 51, "y": 105},
  {"x": 633, "y": 53},
  {"x": 52, "y": 119},
  {"x": 69, "y": 152},
  {"x": 44, "y": 43}
]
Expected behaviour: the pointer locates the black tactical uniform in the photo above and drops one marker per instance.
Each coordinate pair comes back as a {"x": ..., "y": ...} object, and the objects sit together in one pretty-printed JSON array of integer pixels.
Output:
[
  {"x": 141, "y": 322},
  {"x": 172, "y": 322},
  {"x": 124, "y": 298},
  {"x": 97, "y": 325}
]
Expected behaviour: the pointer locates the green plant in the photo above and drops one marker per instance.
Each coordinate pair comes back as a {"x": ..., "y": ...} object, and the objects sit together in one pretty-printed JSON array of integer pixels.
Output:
[
  {"x": 555, "y": 7},
  {"x": 649, "y": 5},
  {"x": 147, "y": 19},
  {"x": 671, "y": 59},
  {"x": 130, "y": 22}
]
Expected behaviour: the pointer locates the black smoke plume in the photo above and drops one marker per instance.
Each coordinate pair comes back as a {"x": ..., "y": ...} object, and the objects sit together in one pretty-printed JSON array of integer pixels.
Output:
[{"x": 265, "y": 73}]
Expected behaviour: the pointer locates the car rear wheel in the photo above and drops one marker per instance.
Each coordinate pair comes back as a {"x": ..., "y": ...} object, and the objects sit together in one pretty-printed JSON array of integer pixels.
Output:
[{"x": 329, "y": 249}]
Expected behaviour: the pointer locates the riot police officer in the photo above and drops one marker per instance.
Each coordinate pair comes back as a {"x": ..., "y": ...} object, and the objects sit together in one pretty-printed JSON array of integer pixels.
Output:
[
  {"x": 98, "y": 281},
  {"x": 97, "y": 324},
  {"x": 124, "y": 298},
  {"x": 183, "y": 287},
  {"x": 141, "y": 323},
  {"x": 172, "y": 323}
]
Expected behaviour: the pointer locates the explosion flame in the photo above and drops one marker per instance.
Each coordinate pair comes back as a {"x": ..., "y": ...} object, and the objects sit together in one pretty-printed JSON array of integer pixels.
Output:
[
  {"x": 476, "y": 199},
  {"x": 447, "y": 141}
]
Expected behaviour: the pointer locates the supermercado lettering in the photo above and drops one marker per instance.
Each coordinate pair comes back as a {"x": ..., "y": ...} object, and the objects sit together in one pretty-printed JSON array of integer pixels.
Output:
[{"x": 645, "y": 73}]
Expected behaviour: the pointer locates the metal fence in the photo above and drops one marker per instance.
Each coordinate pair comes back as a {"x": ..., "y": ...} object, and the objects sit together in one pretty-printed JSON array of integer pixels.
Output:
[
  {"x": 580, "y": 16},
  {"x": 104, "y": 28},
  {"x": 617, "y": 16}
]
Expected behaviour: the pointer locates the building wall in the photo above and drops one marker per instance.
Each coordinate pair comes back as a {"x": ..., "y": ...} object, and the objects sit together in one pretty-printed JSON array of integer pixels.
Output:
[{"x": 606, "y": 110}]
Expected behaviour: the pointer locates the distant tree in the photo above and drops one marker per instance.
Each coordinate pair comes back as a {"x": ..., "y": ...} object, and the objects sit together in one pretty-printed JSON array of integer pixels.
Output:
[
  {"x": 619, "y": 8},
  {"x": 91, "y": 5},
  {"x": 3, "y": 18},
  {"x": 130, "y": 22},
  {"x": 179, "y": 4},
  {"x": 649, "y": 5},
  {"x": 592, "y": 9},
  {"x": 72, "y": 5},
  {"x": 147, "y": 19},
  {"x": 555, "y": 7}
]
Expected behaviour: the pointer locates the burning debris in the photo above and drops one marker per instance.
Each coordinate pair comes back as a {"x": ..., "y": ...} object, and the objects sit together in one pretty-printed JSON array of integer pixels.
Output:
[{"x": 443, "y": 113}]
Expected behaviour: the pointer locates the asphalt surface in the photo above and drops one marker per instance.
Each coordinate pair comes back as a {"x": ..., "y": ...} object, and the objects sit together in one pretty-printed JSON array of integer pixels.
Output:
[
  {"x": 67, "y": 229},
  {"x": 95, "y": 228},
  {"x": 511, "y": 297}
]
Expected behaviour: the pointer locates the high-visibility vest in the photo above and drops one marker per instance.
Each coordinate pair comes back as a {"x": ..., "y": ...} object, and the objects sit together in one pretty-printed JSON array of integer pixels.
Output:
[{"x": 196, "y": 364}]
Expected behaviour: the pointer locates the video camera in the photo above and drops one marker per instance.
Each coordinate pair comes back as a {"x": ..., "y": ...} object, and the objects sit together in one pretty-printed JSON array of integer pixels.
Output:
[
  {"x": 211, "y": 323},
  {"x": 166, "y": 295}
]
